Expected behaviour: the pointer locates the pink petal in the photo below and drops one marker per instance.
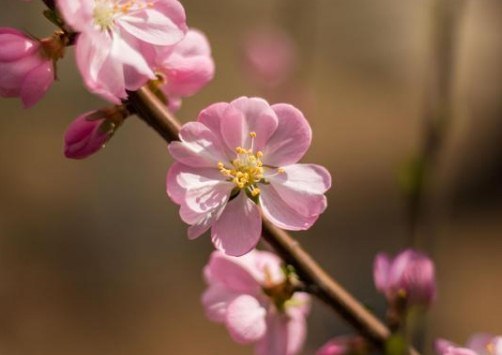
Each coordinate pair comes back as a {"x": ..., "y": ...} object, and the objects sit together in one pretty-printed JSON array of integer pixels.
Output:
[
  {"x": 479, "y": 342},
  {"x": 245, "y": 319},
  {"x": 286, "y": 334},
  {"x": 211, "y": 117},
  {"x": 77, "y": 14},
  {"x": 123, "y": 52},
  {"x": 290, "y": 140},
  {"x": 267, "y": 267},
  {"x": 199, "y": 147},
  {"x": 13, "y": 74},
  {"x": 215, "y": 301},
  {"x": 238, "y": 230},
  {"x": 15, "y": 45},
  {"x": 36, "y": 84},
  {"x": 302, "y": 187},
  {"x": 101, "y": 76},
  {"x": 194, "y": 44},
  {"x": 237, "y": 274},
  {"x": 186, "y": 76},
  {"x": 152, "y": 26},
  {"x": 381, "y": 270},
  {"x": 277, "y": 211},
  {"x": 249, "y": 115},
  {"x": 200, "y": 192}
]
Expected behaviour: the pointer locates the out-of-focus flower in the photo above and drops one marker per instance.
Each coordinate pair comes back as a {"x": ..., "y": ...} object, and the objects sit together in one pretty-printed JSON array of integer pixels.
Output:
[
  {"x": 344, "y": 345},
  {"x": 26, "y": 66},
  {"x": 118, "y": 40},
  {"x": 409, "y": 277},
  {"x": 89, "y": 132},
  {"x": 185, "y": 69},
  {"x": 269, "y": 56},
  {"x": 239, "y": 154},
  {"x": 252, "y": 297},
  {"x": 478, "y": 344}
]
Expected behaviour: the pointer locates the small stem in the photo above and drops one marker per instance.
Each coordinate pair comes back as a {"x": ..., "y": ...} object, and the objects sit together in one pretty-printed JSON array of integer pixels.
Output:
[{"x": 151, "y": 110}]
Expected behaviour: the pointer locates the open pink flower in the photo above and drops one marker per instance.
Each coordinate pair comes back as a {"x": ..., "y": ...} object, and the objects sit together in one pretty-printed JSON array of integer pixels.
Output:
[
  {"x": 478, "y": 344},
  {"x": 409, "y": 276},
  {"x": 118, "y": 40},
  {"x": 186, "y": 68},
  {"x": 238, "y": 155},
  {"x": 26, "y": 70},
  {"x": 246, "y": 294}
]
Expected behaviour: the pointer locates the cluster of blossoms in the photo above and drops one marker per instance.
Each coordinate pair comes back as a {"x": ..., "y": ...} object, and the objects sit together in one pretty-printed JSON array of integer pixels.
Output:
[{"x": 237, "y": 164}]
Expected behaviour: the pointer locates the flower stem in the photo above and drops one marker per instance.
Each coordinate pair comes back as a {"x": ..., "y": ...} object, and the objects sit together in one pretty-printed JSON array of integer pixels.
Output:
[{"x": 151, "y": 110}]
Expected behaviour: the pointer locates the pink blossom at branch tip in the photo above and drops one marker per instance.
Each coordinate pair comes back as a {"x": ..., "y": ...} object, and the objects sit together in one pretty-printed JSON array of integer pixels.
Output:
[
  {"x": 409, "y": 276},
  {"x": 244, "y": 294},
  {"x": 239, "y": 156},
  {"x": 26, "y": 71},
  {"x": 478, "y": 344},
  {"x": 86, "y": 135},
  {"x": 186, "y": 68},
  {"x": 118, "y": 40},
  {"x": 270, "y": 56}
]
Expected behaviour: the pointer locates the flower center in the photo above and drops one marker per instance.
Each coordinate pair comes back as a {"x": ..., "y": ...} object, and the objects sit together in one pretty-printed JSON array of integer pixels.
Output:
[
  {"x": 105, "y": 11},
  {"x": 247, "y": 169},
  {"x": 103, "y": 14}
]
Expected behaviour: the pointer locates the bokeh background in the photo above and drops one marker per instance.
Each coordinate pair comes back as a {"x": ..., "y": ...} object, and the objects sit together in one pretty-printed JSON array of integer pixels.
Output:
[{"x": 93, "y": 256}]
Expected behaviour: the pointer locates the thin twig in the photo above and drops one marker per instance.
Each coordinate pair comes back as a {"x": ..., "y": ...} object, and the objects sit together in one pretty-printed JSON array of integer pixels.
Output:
[{"x": 151, "y": 110}]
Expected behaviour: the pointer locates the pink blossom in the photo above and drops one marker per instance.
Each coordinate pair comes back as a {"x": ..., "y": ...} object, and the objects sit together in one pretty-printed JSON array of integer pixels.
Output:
[
  {"x": 478, "y": 344},
  {"x": 119, "y": 39},
  {"x": 27, "y": 71},
  {"x": 238, "y": 155},
  {"x": 269, "y": 56},
  {"x": 89, "y": 132},
  {"x": 185, "y": 68},
  {"x": 249, "y": 295},
  {"x": 409, "y": 276}
]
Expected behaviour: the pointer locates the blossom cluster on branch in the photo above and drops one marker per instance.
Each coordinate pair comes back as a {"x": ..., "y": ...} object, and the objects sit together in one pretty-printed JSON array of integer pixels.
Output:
[{"x": 235, "y": 166}]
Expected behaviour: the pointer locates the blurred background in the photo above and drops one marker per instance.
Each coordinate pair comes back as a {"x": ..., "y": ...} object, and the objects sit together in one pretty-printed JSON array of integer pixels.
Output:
[{"x": 93, "y": 256}]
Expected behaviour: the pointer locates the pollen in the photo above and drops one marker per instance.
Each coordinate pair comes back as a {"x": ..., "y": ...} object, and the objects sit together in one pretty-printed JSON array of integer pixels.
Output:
[{"x": 246, "y": 170}]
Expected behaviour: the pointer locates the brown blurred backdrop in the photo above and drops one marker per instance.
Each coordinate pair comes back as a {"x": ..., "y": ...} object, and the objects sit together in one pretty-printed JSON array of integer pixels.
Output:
[{"x": 93, "y": 256}]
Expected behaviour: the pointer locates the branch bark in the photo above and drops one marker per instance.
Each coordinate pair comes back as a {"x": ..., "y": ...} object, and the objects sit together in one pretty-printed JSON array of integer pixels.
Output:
[{"x": 151, "y": 110}]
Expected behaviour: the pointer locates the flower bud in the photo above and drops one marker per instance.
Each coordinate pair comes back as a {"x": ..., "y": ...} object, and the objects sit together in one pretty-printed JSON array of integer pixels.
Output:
[
  {"x": 27, "y": 70},
  {"x": 89, "y": 132},
  {"x": 344, "y": 345},
  {"x": 409, "y": 277}
]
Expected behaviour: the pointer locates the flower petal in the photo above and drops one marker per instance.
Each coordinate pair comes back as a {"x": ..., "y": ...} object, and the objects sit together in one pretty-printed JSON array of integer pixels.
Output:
[
  {"x": 381, "y": 270},
  {"x": 291, "y": 139},
  {"x": 238, "y": 230},
  {"x": 36, "y": 84},
  {"x": 199, "y": 147},
  {"x": 249, "y": 115},
  {"x": 302, "y": 187},
  {"x": 280, "y": 213},
  {"x": 237, "y": 274},
  {"x": 152, "y": 26},
  {"x": 215, "y": 301},
  {"x": 245, "y": 319}
]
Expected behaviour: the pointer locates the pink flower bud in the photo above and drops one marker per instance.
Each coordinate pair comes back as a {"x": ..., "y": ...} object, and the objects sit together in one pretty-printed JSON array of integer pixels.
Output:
[
  {"x": 26, "y": 71},
  {"x": 87, "y": 134},
  {"x": 344, "y": 345},
  {"x": 409, "y": 277}
]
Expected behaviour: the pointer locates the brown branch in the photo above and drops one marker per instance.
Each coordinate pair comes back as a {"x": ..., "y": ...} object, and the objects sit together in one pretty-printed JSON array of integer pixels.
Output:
[{"x": 151, "y": 110}]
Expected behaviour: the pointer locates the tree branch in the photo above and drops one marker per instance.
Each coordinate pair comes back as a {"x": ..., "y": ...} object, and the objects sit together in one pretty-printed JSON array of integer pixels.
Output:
[{"x": 151, "y": 110}]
